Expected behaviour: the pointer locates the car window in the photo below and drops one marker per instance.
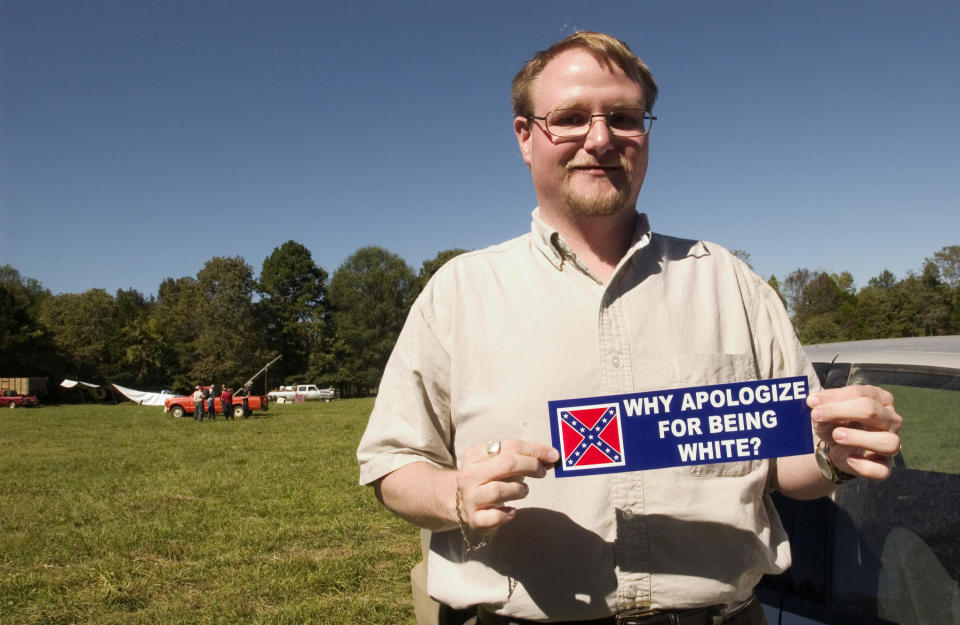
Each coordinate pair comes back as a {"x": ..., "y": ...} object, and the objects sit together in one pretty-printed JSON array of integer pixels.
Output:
[{"x": 896, "y": 544}]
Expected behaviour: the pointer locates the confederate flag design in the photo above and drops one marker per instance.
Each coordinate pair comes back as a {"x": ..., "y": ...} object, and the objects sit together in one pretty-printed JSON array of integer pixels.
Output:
[{"x": 590, "y": 437}]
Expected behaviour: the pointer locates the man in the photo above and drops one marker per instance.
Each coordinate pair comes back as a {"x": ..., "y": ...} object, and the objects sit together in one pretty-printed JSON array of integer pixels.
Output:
[
  {"x": 592, "y": 303},
  {"x": 212, "y": 402},
  {"x": 198, "y": 400},
  {"x": 226, "y": 401}
]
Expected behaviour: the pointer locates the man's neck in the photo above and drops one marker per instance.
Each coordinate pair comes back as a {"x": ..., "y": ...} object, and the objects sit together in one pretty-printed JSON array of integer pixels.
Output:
[{"x": 599, "y": 242}]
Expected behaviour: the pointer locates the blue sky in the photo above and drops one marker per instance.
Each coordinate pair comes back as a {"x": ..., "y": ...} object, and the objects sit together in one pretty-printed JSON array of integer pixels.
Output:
[{"x": 140, "y": 139}]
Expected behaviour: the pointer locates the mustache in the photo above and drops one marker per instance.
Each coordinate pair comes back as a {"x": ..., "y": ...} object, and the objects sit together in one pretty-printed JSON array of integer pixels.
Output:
[{"x": 620, "y": 163}]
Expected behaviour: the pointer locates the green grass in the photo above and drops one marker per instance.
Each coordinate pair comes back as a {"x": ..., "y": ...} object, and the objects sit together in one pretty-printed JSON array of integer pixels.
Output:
[
  {"x": 931, "y": 427},
  {"x": 122, "y": 514}
]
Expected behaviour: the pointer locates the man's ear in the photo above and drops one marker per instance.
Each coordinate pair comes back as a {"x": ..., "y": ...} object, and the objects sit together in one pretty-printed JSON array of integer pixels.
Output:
[{"x": 522, "y": 128}]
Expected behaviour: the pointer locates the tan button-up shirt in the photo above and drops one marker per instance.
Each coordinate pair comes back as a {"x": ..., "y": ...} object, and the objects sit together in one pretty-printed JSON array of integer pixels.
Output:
[{"x": 498, "y": 333}]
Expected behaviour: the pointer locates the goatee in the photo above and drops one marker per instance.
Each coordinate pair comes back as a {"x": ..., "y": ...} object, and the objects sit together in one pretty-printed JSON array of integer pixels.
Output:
[{"x": 599, "y": 204}]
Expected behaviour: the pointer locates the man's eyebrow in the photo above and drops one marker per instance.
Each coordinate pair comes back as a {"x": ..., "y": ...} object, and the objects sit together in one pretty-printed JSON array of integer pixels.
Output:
[{"x": 616, "y": 106}]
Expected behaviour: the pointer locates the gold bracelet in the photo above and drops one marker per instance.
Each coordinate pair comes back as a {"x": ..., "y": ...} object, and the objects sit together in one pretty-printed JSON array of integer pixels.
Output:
[{"x": 463, "y": 532}]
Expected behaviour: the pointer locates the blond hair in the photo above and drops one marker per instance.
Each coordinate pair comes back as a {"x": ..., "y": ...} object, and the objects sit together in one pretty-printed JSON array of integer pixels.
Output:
[{"x": 606, "y": 49}]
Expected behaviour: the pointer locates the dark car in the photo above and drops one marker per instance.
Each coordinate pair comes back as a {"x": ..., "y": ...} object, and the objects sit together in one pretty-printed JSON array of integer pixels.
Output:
[
  {"x": 14, "y": 399},
  {"x": 883, "y": 552}
]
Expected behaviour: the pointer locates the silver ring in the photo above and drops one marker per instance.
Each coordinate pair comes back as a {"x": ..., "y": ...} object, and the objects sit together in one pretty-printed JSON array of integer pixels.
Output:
[{"x": 493, "y": 448}]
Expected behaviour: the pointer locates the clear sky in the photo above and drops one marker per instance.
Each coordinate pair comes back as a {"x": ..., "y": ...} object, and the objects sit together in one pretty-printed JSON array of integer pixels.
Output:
[{"x": 140, "y": 139}]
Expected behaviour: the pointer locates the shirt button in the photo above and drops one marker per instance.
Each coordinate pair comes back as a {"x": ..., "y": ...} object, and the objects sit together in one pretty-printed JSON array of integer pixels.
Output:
[{"x": 616, "y": 362}]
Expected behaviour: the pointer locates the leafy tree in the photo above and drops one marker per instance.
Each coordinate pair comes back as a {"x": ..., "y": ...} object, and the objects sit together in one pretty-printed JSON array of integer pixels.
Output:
[
  {"x": 22, "y": 339},
  {"x": 83, "y": 329},
  {"x": 881, "y": 311},
  {"x": 146, "y": 361},
  {"x": 139, "y": 357},
  {"x": 954, "y": 321},
  {"x": 26, "y": 348},
  {"x": 825, "y": 311},
  {"x": 227, "y": 347},
  {"x": 947, "y": 261},
  {"x": 930, "y": 299},
  {"x": 793, "y": 287},
  {"x": 775, "y": 285},
  {"x": 369, "y": 295},
  {"x": 918, "y": 305},
  {"x": 742, "y": 255},
  {"x": 294, "y": 309},
  {"x": 885, "y": 280},
  {"x": 28, "y": 292},
  {"x": 844, "y": 280},
  {"x": 430, "y": 267},
  {"x": 176, "y": 322}
]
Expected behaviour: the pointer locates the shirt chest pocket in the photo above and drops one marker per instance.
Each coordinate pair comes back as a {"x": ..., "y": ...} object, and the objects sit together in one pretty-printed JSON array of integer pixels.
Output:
[{"x": 702, "y": 369}]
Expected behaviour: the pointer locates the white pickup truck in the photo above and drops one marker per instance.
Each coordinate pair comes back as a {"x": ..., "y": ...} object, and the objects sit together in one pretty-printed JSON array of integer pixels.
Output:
[{"x": 286, "y": 394}]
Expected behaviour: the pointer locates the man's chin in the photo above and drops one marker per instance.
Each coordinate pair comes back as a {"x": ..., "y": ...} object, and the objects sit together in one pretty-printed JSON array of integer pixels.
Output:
[
  {"x": 596, "y": 201},
  {"x": 598, "y": 205}
]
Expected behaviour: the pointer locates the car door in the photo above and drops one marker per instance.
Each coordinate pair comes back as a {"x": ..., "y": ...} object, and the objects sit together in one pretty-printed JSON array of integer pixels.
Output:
[{"x": 882, "y": 552}]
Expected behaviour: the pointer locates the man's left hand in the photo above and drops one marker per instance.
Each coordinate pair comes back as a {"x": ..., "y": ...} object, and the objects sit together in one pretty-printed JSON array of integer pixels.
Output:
[{"x": 861, "y": 426}]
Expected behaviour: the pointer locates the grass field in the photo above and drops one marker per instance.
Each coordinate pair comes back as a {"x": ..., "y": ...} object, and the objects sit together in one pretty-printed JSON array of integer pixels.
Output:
[{"x": 122, "y": 514}]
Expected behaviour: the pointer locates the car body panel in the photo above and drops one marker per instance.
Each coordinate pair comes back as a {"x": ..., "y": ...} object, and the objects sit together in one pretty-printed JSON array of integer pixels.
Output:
[
  {"x": 883, "y": 552},
  {"x": 13, "y": 399}
]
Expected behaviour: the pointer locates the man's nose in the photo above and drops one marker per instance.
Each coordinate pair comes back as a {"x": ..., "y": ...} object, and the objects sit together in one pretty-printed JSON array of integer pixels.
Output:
[{"x": 598, "y": 135}]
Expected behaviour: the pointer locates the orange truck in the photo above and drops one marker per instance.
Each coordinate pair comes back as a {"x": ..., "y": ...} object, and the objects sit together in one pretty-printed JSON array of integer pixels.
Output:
[{"x": 243, "y": 404}]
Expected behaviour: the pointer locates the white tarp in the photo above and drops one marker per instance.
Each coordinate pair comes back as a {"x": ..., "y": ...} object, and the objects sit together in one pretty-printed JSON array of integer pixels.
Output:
[
  {"x": 97, "y": 391},
  {"x": 75, "y": 383},
  {"x": 144, "y": 398}
]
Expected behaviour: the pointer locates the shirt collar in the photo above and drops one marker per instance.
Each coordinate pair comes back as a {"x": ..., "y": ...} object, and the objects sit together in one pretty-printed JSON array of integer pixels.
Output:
[{"x": 551, "y": 243}]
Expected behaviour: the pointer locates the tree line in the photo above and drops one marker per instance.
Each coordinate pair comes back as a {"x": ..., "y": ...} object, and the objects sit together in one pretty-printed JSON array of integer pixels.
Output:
[
  {"x": 220, "y": 326},
  {"x": 225, "y": 323}
]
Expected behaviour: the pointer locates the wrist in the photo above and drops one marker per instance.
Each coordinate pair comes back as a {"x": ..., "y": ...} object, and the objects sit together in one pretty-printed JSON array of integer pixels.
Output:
[{"x": 827, "y": 466}]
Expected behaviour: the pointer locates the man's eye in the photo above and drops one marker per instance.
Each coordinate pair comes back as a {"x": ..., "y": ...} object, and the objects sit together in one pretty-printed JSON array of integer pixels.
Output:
[
  {"x": 568, "y": 118},
  {"x": 625, "y": 120}
]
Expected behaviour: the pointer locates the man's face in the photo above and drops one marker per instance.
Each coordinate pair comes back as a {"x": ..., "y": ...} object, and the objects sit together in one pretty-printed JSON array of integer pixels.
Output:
[{"x": 597, "y": 175}]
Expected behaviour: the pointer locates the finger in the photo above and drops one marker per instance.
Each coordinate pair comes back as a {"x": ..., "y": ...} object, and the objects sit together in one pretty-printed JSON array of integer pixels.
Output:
[
  {"x": 496, "y": 494},
  {"x": 853, "y": 391},
  {"x": 864, "y": 410},
  {"x": 483, "y": 507},
  {"x": 881, "y": 443},
  {"x": 489, "y": 519},
  {"x": 545, "y": 454},
  {"x": 504, "y": 466},
  {"x": 864, "y": 464}
]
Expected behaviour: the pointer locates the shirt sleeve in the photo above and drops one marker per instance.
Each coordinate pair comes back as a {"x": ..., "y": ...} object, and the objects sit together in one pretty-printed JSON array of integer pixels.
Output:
[
  {"x": 411, "y": 421},
  {"x": 779, "y": 352}
]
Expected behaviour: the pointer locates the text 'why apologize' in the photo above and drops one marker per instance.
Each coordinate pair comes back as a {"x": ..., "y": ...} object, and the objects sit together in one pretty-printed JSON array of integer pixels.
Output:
[{"x": 721, "y": 423}]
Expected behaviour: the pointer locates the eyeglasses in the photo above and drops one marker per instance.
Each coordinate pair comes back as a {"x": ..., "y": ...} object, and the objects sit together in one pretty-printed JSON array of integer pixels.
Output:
[{"x": 571, "y": 123}]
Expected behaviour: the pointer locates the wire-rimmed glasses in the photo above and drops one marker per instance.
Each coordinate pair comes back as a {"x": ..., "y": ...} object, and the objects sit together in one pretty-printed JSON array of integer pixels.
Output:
[{"x": 574, "y": 123}]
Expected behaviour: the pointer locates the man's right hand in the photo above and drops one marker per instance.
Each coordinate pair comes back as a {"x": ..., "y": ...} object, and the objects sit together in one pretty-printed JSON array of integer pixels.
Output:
[
  {"x": 487, "y": 482},
  {"x": 426, "y": 495}
]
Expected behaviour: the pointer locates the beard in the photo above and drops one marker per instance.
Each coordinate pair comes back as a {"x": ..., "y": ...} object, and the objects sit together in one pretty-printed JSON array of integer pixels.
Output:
[{"x": 599, "y": 203}]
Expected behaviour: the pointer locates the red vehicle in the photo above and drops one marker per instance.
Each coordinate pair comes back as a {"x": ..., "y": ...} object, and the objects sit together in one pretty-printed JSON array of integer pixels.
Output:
[
  {"x": 15, "y": 399},
  {"x": 243, "y": 405}
]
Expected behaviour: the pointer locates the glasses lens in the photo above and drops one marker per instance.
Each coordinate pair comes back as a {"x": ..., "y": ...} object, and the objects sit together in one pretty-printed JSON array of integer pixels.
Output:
[
  {"x": 568, "y": 123},
  {"x": 627, "y": 123},
  {"x": 575, "y": 123}
]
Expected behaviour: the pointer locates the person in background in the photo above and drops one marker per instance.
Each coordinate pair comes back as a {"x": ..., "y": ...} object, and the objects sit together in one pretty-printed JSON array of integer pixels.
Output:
[
  {"x": 198, "y": 400},
  {"x": 211, "y": 401},
  {"x": 226, "y": 401}
]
